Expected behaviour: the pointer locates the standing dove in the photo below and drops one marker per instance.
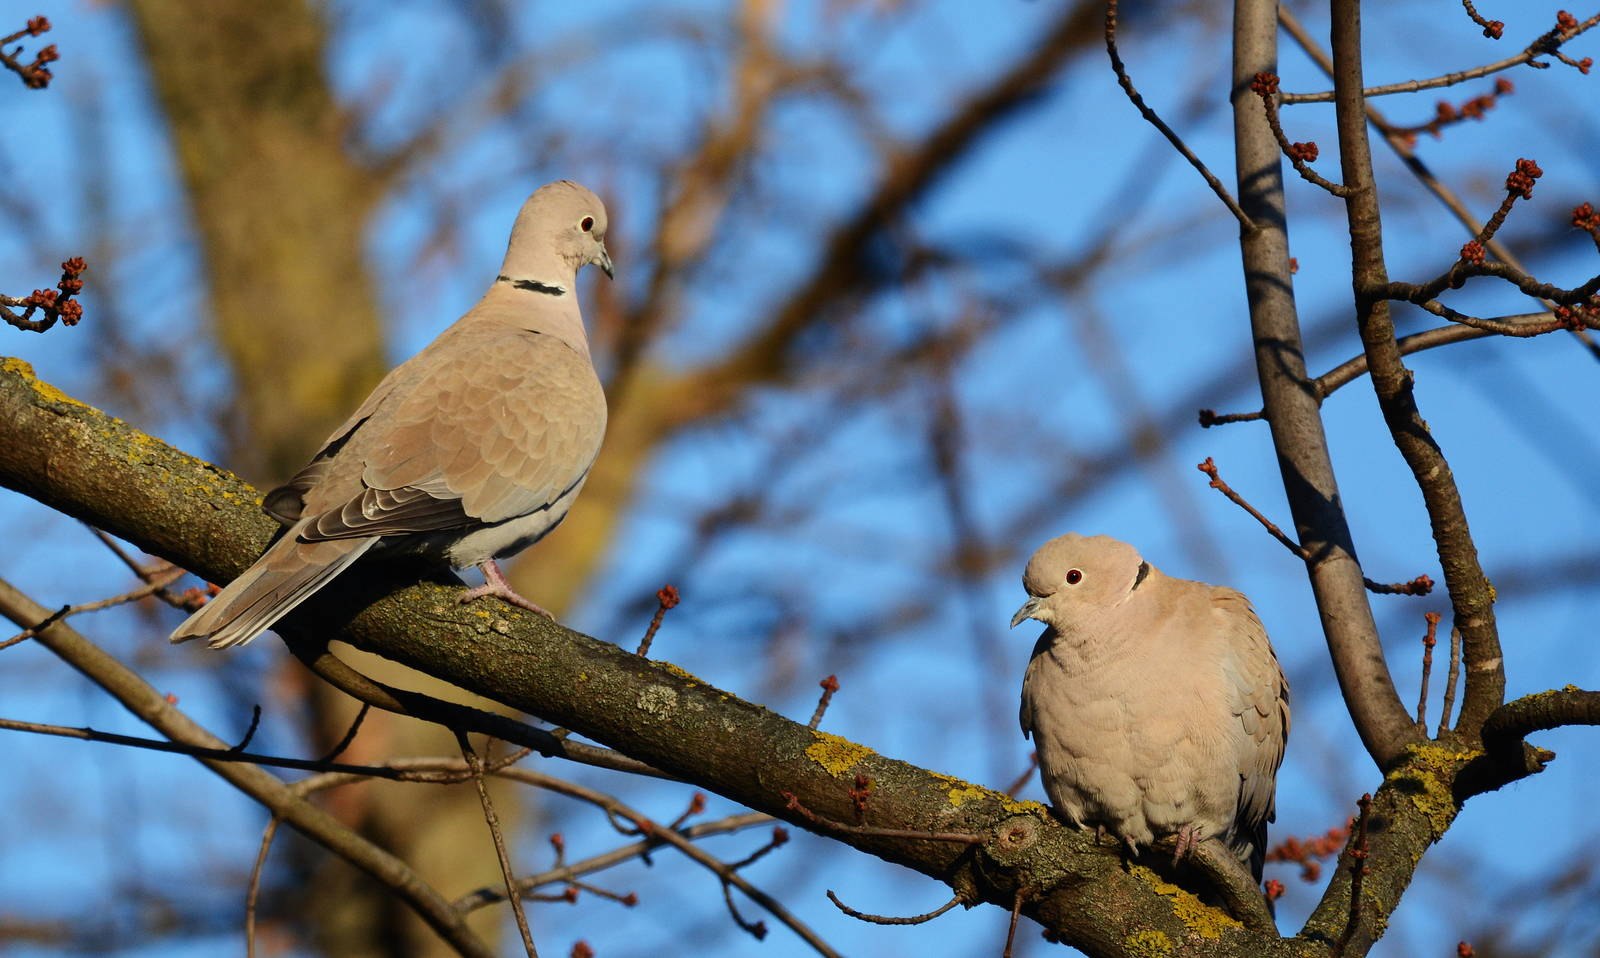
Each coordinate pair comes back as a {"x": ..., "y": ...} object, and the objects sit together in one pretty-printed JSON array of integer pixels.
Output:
[
  {"x": 1156, "y": 704},
  {"x": 471, "y": 450}
]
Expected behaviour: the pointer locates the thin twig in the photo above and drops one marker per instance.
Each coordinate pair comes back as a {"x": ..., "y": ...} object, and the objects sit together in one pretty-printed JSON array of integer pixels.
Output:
[
  {"x": 349, "y": 735},
  {"x": 1493, "y": 29},
  {"x": 1021, "y": 781},
  {"x": 1421, "y": 585},
  {"x": 1210, "y": 417},
  {"x": 1011, "y": 929},
  {"x": 1299, "y": 155},
  {"x": 157, "y": 584},
  {"x": 1546, "y": 43},
  {"x": 254, "y": 892},
  {"x": 1450, "y": 680},
  {"x": 666, "y": 598},
  {"x": 1155, "y": 120},
  {"x": 249, "y": 733},
  {"x": 1358, "y": 871},
  {"x": 829, "y": 685},
  {"x": 226, "y": 754},
  {"x": 926, "y": 916},
  {"x": 493, "y": 821},
  {"x": 1429, "y": 640},
  {"x": 34, "y": 76}
]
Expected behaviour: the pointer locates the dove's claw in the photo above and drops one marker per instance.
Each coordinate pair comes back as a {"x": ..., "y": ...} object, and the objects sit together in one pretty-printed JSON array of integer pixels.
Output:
[{"x": 496, "y": 585}]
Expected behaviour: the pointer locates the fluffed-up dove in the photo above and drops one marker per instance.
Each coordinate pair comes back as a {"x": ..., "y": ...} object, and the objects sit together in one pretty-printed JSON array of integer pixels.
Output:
[
  {"x": 1156, "y": 704},
  {"x": 471, "y": 450}
]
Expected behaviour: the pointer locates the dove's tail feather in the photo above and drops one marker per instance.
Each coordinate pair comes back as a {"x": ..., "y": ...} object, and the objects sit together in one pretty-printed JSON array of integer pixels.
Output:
[{"x": 286, "y": 575}]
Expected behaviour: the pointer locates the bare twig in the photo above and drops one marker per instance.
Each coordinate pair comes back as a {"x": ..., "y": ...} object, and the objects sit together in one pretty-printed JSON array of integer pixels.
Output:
[
  {"x": 1429, "y": 640},
  {"x": 667, "y": 598},
  {"x": 1450, "y": 680},
  {"x": 892, "y": 919},
  {"x": 349, "y": 735},
  {"x": 157, "y": 584},
  {"x": 829, "y": 685},
  {"x": 1546, "y": 43},
  {"x": 1210, "y": 417},
  {"x": 1021, "y": 781},
  {"x": 1155, "y": 120},
  {"x": 1421, "y": 585},
  {"x": 1358, "y": 871},
  {"x": 1493, "y": 29},
  {"x": 1299, "y": 155},
  {"x": 1447, "y": 114},
  {"x": 493, "y": 821},
  {"x": 53, "y": 304},
  {"x": 34, "y": 75},
  {"x": 254, "y": 893},
  {"x": 1016, "y": 913}
]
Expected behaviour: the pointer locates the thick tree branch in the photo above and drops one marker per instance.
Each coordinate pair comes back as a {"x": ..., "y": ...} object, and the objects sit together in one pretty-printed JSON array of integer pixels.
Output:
[
  {"x": 1471, "y": 598},
  {"x": 1540, "y": 711},
  {"x": 1291, "y": 406}
]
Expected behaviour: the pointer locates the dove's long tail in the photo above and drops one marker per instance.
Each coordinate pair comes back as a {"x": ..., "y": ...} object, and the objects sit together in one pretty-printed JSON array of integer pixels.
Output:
[{"x": 287, "y": 574}]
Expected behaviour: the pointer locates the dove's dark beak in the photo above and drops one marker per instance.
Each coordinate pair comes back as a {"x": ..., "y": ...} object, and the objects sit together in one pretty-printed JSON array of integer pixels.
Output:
[
  {"x": 604, "y": 261},
  {"x": 1028, "y": 611}
]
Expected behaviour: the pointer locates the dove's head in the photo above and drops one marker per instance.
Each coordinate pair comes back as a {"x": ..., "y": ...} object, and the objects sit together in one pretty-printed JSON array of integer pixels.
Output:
[
  {"x": 560, "y": 229},
  {"x": 1073, "y": 578}
]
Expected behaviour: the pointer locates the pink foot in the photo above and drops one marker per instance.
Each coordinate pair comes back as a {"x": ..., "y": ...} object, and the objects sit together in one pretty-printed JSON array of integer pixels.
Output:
[
  {"x": 495, "y": 584},
  {"x": 1188, "y": 837}
]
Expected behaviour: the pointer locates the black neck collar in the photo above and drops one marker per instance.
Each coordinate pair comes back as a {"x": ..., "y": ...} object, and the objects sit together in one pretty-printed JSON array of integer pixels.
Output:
[{"x": 533, "y": 286}]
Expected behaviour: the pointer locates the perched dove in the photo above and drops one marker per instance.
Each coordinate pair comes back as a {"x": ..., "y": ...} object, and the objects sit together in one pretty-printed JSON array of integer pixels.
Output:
[
  {"x": 1156, "y": 704},
  {"x": 471, "y": 450}
]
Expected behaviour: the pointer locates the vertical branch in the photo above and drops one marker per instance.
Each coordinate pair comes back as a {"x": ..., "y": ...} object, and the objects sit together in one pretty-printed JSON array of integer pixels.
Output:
[
  {"x": 475, "y": 765},
  {"x": 1470, "y": 595},
  {"x": 1292, "y": 410}
]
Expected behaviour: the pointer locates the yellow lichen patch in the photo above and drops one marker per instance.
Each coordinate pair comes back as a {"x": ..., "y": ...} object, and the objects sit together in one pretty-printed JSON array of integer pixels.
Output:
[
  {"x": 959, "y": 790},
  {"x": 681, "y": 672},
  {"x": 1202, "y": 919},
  {"x": 1148, "y": 944},
  {"x": 47, "y": 392},
  {"x": 962, "y": 791},
  {"x": 1425, "y": 779},
  {"x": 835, "y": 754}
]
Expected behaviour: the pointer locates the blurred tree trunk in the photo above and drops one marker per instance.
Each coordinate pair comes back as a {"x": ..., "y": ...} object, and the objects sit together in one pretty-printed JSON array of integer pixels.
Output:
[{"x": 280, "y": 210}]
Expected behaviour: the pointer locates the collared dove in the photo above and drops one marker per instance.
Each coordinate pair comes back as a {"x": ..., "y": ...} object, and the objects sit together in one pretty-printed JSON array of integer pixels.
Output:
[
  {"x": 471, "y": 450},
  {"x": 1156, "y": 704}
]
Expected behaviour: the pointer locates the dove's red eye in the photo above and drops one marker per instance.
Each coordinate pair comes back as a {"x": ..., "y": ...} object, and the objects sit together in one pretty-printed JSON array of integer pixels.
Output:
[
  {"x": 587, "y": 224},
  {"x": 1074, "y": 577}
]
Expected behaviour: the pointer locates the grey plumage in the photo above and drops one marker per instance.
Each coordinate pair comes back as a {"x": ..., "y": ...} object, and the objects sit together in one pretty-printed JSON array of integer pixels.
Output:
[
  {"x": 471, "y": 450},
  {"x": 1156, "y": 704}
]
